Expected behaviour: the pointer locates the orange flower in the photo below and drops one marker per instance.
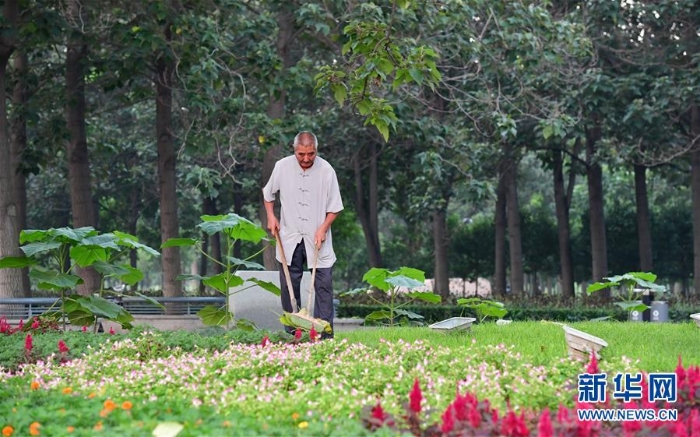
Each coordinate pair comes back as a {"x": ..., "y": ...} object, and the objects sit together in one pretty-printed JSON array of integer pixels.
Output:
[
  {"x": 70, "y": 429},
  {"x": 98, "y": 426},
  {"x": 67, "y": 391},
  {"x": 92, "y": 395},
  {"x": 226, "y": 424},
  {"x": 104, "y": 413},
  {"x": 35, "y": 385},
  {"x": 34, "y": 428},
  {"x": 109, "y": 405},
  {"x": 126, "y": 405},
  {"x": 7, "y": 431}
]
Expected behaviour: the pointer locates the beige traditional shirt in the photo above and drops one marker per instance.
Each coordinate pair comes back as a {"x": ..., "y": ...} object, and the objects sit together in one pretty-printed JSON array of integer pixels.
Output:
[{"x": 306, "y": 196}]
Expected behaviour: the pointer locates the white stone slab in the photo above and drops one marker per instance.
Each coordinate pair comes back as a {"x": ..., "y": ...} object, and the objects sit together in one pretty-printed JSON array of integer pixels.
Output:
[{"x": 251, "y": 302}]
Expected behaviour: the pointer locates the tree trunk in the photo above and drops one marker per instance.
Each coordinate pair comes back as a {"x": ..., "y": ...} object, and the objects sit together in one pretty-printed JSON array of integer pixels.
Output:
[
  {"x": 499, "y": 276},
  {"x": 210, "y": 244},
  {"x": 18, "y": 134},
  {"x": 594, "y": 172},
  {"x": 643, "y": 219},
  {"x": 367, "y": 213},
  {"x": 276, "y": 110},
  {"x": 515, "y": 245},
  {"x": 82, "y": 207},
  {"x": 441, "y": 285},
  {"x": 167, "y": 177},
  {"x": 695, "y": 186},
  {"x": 563, "y": 228},
  {"x": 10, "y": 279}
]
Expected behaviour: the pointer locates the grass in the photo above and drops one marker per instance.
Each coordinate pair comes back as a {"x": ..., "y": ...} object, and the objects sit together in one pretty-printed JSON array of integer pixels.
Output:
[{"x": 655, "y": 347}]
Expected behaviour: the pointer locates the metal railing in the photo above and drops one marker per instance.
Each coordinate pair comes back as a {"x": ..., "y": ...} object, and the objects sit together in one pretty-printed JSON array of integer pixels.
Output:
[{"x": 25, "y": 308}]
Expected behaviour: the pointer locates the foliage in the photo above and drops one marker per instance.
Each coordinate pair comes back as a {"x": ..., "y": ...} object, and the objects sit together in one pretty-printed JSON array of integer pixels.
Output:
[
  {"x": 68, "y": 248},
  {"x": 233, "y": 228},
  {"x": 394, "y": 285},
  {"x": 484, "y": 307},
  {"x": 628, "y": 287}
]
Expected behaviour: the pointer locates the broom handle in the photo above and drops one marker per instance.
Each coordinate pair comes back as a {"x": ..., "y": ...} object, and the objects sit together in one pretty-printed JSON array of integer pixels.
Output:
[
  {"x": 312, "y": 289},
  {"x": 287, "y": 277}
]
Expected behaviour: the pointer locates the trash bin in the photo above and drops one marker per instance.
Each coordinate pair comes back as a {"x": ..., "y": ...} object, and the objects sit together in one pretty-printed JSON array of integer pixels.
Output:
[
  {"x": 659, "y": 311},
  {"x": 636, "y": 316}
]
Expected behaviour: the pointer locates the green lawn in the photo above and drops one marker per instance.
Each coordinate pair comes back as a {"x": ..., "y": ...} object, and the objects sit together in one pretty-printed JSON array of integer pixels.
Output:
[{"x": 656, "y": 346}]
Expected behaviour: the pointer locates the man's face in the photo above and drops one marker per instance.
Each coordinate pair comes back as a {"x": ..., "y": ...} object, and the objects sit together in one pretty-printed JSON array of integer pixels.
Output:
[{"x": 305, "y": 156}]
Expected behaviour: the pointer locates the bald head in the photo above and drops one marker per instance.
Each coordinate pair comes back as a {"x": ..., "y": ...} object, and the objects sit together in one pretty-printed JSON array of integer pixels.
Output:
[{"x": 306, "y": 139}]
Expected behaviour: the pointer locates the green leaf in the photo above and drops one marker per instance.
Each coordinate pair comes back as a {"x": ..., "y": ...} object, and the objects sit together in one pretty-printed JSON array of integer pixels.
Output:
[
  {"x": 131, "y": 241},
  {"x": 418, "y": 275},
  {"x": 246, "y": 325},
  {"x": 87, "y": 255},
  {"x": 247, "y": 264},
  {"x": 32, "y": 235},
  {"x": 214, "y": 316},
  {"x": 179, "y": 242},
  {"x": 425, "y": 296},
  {"x": 150, "y": 300},
  {"x": 382, "y": 127},
  {"x": 68, "y": 235},
  {"x": 105, "y": 241},
  {"x": 340, "y": 93},
  {"x": 403, "y": 4},
  {"x": 108, "y": 269},
  {"x": 384, "y": 65},
  {"x": 81, "y": 317},
  {"x": 547, "y": 131},
  {"x": 269, "y": 286},
  {"x": 416, "y": 75},
  {"x": 404, "y": 281},
  {"x": 632, "y": 306},
  {"x": 189, "y": 277},
  {"x": 32, "y": 249},
  {"x": 53, "y": 280},
  {"x": 409, "y": 314},
  {"x": 101, "y": 307},
  {"x": 131, "y": 276},
  {"x": 378, "y": 315},
  {"x": 223, "y": 281},
  {"x": 600, "y": 286},
  {"x": 15, "y": 262},
  {"x": 376, "y": 277}
]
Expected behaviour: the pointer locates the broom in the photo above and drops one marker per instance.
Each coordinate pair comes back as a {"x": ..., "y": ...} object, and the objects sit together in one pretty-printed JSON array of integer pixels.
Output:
[{"x": 301, "y": 319}]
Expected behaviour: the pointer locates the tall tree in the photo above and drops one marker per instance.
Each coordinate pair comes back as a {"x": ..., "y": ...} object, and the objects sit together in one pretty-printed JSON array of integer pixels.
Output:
[
  {"x": 562, "y": 202},
  {"x": 10, "y": 279},
  {"x": 82, "y": 206},
  {"x": 19, "y": 146},
  {"x": 167, "y": 156},
  {"x": 594, "y": 172}
]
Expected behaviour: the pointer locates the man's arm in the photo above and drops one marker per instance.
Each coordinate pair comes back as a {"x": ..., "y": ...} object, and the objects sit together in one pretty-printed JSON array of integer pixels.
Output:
[
  {"x": 273, "y": 225},
  {"x": 325, "y": 226}
]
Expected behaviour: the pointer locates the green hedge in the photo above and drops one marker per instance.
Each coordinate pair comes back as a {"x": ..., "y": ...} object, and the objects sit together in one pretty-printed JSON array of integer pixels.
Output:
[{"x": 436, "y": 313}]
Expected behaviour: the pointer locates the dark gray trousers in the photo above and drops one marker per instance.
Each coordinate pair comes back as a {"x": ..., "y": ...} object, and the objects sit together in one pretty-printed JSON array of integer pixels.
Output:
[{"x": 323, "y": 287}]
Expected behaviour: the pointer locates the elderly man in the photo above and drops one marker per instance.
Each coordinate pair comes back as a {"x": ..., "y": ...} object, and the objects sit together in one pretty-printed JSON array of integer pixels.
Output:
[{"x": 310, "y": 201}]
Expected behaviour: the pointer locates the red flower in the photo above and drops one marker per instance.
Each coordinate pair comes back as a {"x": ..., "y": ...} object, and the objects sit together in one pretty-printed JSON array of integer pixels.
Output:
[
  {"x": 460, "y": 406},
  {"x": 111, "y": 330},
  {"x": 514, "y": 425},
  {"x": 475, "y": 417},
  {"x": 84, "y": 328},
  {"x": 313, "y": 334},
  {"x": 694, "y": 423},
  {"x": 680, "y": 429},
  {"x": 378, "y": 413},
  {"x": 544, "y": 426},
  {"x": 415, "y": 397},
  {"x": 28, "y": 344},
  {"x": 265, "y": 341},
  {"x": 20, "y": 325},
  {"x": 593, "y": 364},
  {"x": 35, "y": 323},
  {"x": 297, "y": 334},
  {"x": 563, "y": 414},
  {"x": 448, "y": 421},
  {"x": 631, "y": 426},
  {"x": 62, "y": 348}
]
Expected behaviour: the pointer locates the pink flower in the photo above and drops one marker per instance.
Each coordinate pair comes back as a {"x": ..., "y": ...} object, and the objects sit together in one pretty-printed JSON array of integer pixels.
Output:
[
  {"x": 544, "y": 426},
  {"x": 84, "y": 328},
  {"x": 313, "y": 334},
  {"x": 265, "y": 341},
  {"x": 111, "y": 330},
  {"x": 35, "y": 323},
  {"x": 28, "y": 344},
  {"x": 593, "y": 364},
  {"x": 62, "y": 348},
  {"x": 415, "y": 397}
]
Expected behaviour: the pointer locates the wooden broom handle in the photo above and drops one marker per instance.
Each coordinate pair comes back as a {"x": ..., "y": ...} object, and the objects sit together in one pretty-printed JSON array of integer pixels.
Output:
[{"x": 287, "y": 277}]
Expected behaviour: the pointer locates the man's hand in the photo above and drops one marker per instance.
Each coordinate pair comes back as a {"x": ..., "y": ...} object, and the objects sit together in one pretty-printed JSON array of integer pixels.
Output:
[
  {"x": 273, "y": 225},
  {"x": 320, "y": 236}
]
